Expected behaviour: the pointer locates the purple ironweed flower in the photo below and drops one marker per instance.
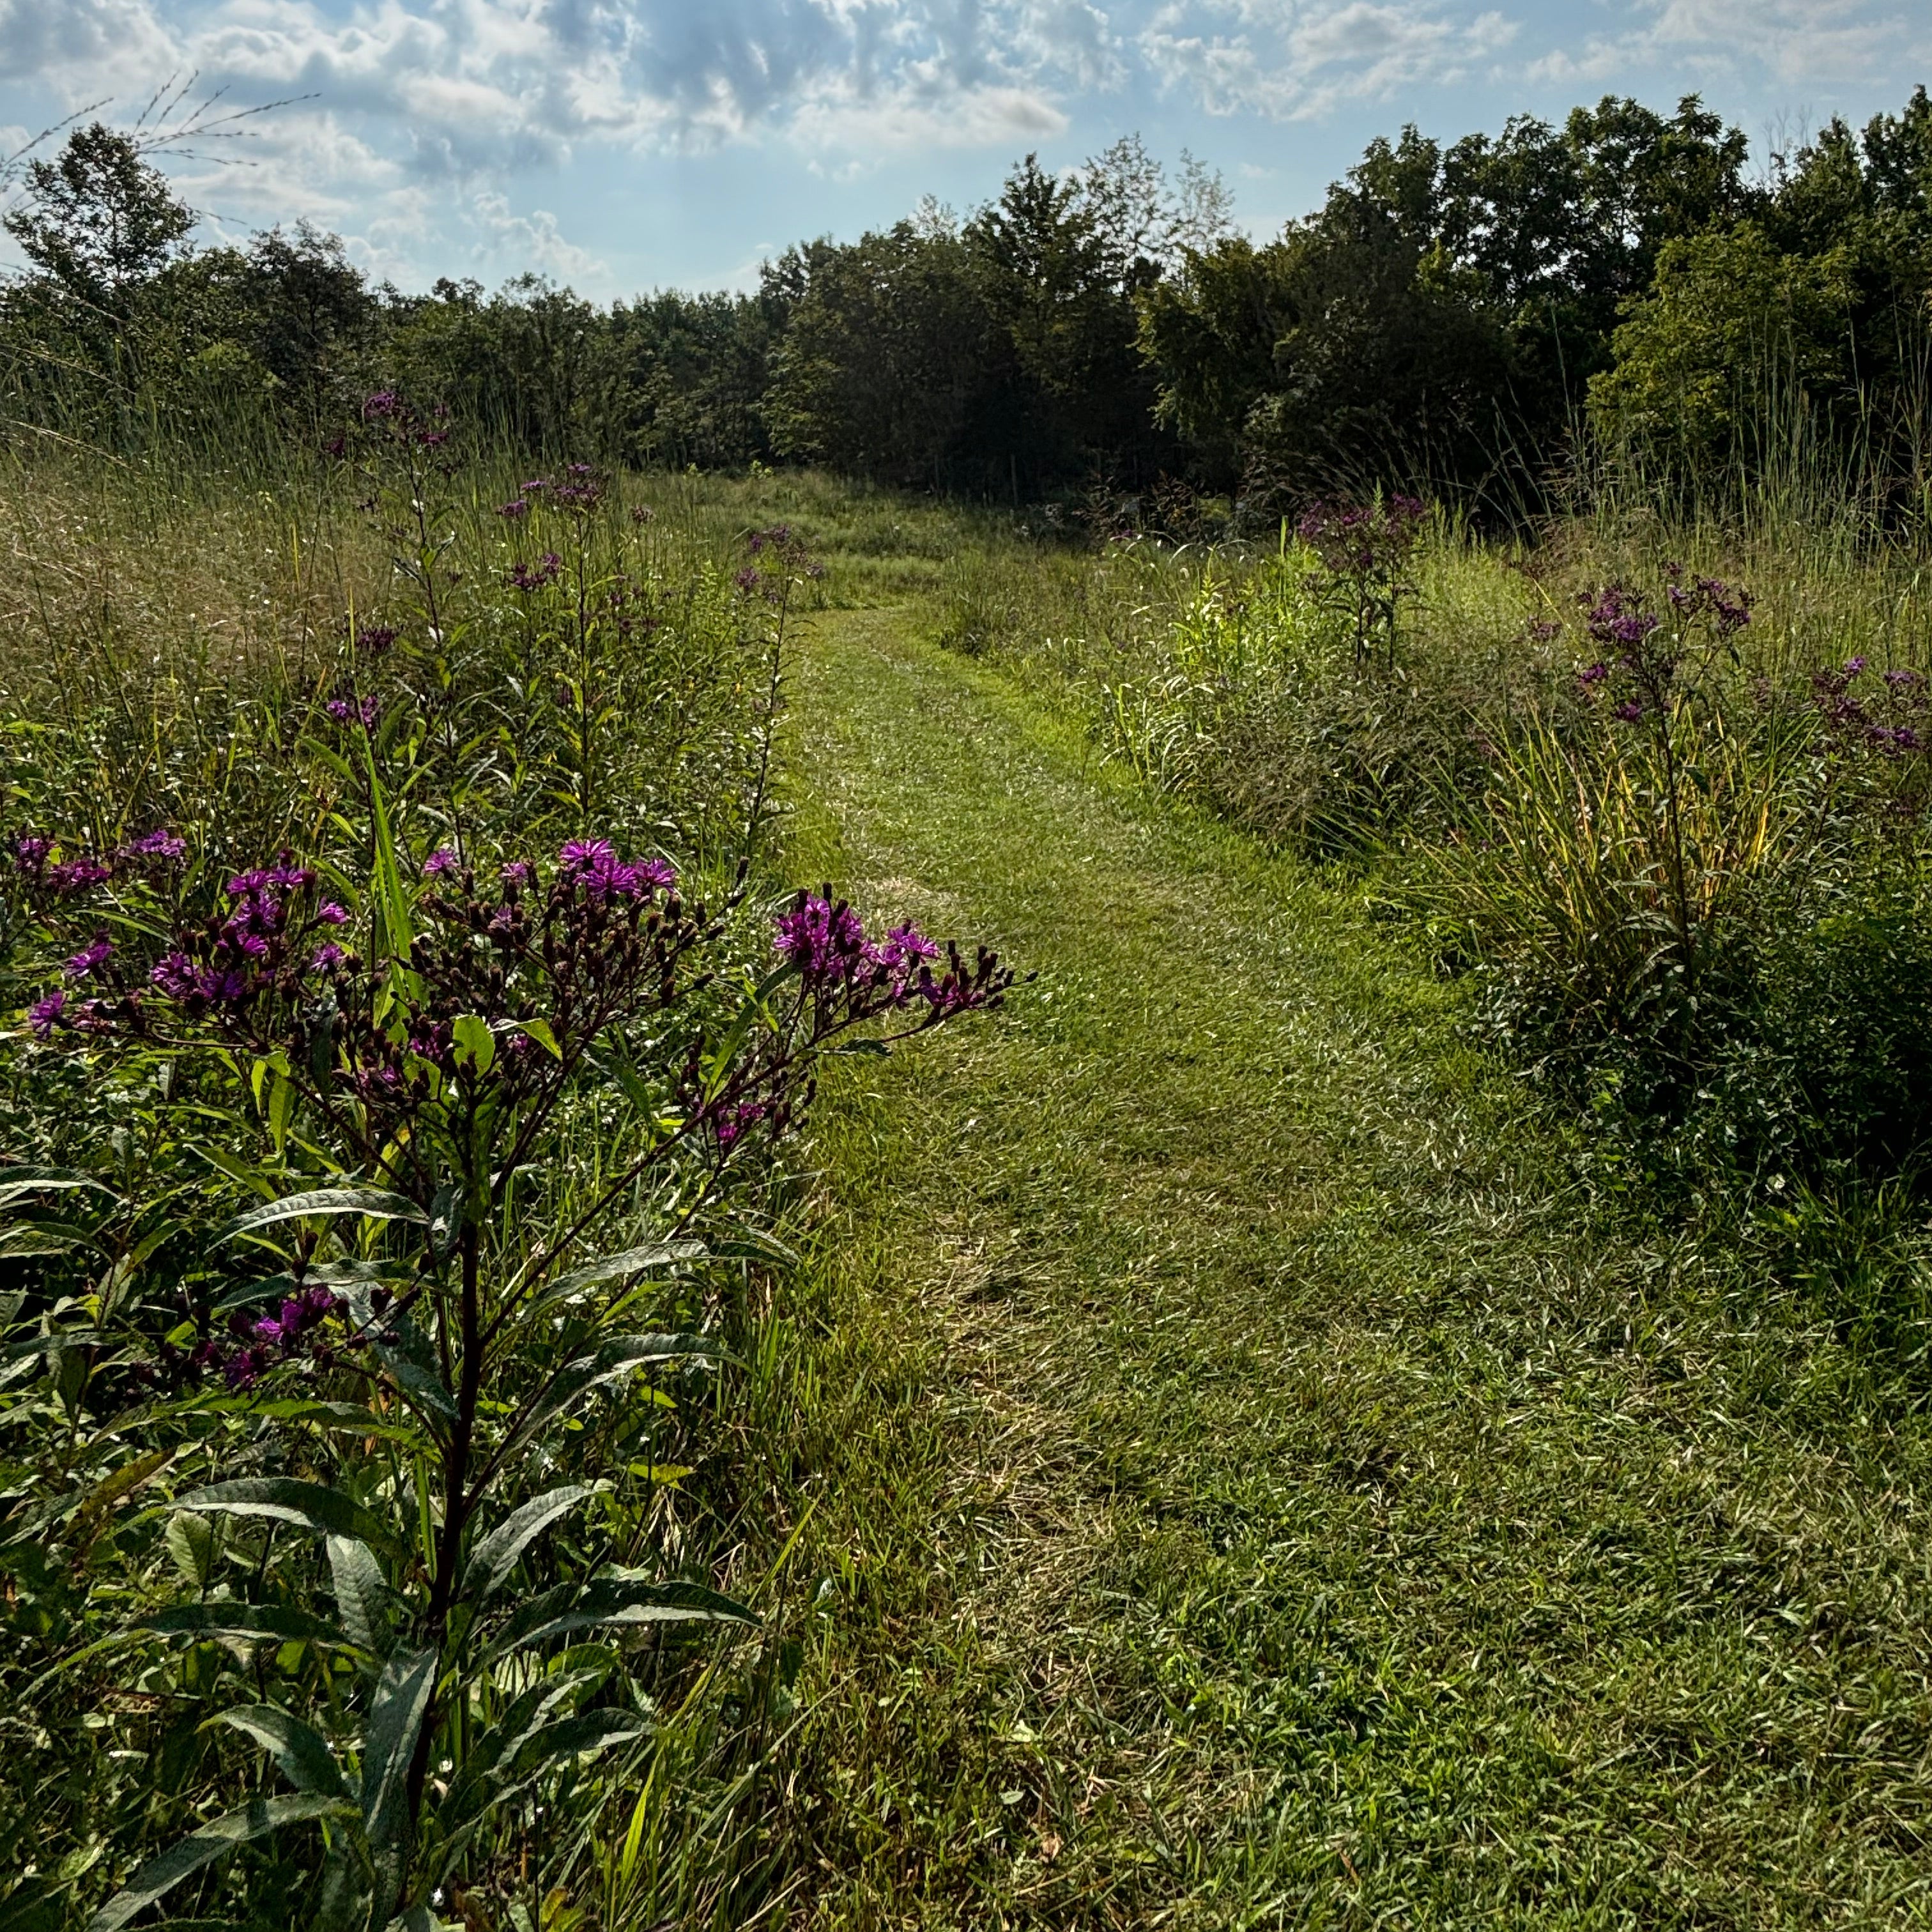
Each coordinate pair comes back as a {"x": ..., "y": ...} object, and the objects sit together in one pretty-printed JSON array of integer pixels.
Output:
[
  {"x": 328, "y": 957},
  {"x": 818, "y": 937},
  {"x": 1902, "y": 680},
  {"x": 518, "y": 506},
  {"x": 331, "y": 914},
  {"x": 161, "y": 845},
  {"x": 44, "y": 1014},
  {"x": 347, "y": 710},
  {"x": 174, "y": 974},
  {"x": 30, "y": 854},
  {"x": 95, "y": 954},
  {"x": 1592, "y": 675},
  {"x": 433, "y": 439},
  {"x": 517, "y": 872},
  {"x": 535, "y": 484},
  {"x": 384, "y": 403},
  {"x": 747, "y": 579},
  {"x": 731, "y": 1125},
  {"x": 1905, "y": 738},
  {"x": 376, "y": 638},
  {"x": 1854, "y": 666},
  {"x": 548, "y": 569},
  {"x": 440, "y": 862},
  {"x": 77, "y": 875},
  {"x": 1629, "y": 711}
]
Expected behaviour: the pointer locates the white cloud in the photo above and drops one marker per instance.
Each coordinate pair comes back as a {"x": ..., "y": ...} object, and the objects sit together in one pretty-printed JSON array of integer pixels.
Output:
[
  {"x": 1792, "y": 42},
  {"x": 531, "y": 240},
  {"x": 1293, "y": 60}
]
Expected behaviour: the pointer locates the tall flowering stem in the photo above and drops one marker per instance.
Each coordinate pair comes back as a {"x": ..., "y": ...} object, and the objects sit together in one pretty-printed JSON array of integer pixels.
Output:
[
  {"x": 1364, "y": 551},
  {"x": 433, "y": 1075},
  {"x": 1645, "y": 675}
]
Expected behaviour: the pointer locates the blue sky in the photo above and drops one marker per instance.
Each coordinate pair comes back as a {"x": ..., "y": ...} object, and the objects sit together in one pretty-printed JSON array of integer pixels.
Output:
[{"x": 621, "y": 145}]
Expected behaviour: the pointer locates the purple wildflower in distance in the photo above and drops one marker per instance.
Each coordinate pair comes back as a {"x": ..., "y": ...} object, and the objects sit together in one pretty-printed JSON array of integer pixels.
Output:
[
  {"x": 77, "y": 875},
  {"x": 161, "y": 845},
  {"x": 42, "y": 1015},
  {"x": 440, "y": 862}
]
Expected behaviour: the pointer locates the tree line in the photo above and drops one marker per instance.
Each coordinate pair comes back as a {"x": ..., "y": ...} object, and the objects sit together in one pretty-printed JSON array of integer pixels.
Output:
[{"x": 1477, "y": 316}]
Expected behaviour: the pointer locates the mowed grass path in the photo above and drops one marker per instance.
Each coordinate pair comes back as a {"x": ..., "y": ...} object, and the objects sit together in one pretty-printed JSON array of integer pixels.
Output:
[{"x": 1247, "y": 1494}]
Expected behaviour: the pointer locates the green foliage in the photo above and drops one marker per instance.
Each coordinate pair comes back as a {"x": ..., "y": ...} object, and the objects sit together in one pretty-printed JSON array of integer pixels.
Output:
[{"x": 378, "y": 1302}]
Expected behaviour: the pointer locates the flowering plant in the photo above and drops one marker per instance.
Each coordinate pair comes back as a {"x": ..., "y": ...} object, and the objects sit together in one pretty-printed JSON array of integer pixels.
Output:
[{"x": 421, "y": 1042}]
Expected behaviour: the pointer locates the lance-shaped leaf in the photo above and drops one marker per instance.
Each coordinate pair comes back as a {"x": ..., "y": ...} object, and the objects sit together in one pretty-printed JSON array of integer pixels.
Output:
[
  {"x": 255, "y": 1623},
  {"x": 17, "y": 1182},
  {"x": 492, "y": 1560},
  {"x": 376, "y": 1204},
  {"x": 479, "y": 1784},
  {"x": 411, "y": 1361},
  {"x": 362, "y": 1596},
  {"x": 632, "y": 1261},
  {"x": 608, "y": 1602},
  {"x": 300, "y": 1752},
  {"x": 395, "y": 1721},
  {"x": 160, "y": 1875},
  {"x": 312, "y": 1506},
  {"x": 618, "y": 1357},
  {"x": 571, "y": 1737}
]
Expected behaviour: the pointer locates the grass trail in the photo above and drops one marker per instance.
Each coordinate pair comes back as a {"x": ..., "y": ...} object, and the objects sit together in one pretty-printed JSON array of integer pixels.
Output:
[{"x": 1247, "y": 1494}]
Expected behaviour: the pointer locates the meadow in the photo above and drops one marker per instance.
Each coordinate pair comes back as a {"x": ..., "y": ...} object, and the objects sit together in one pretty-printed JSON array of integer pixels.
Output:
[{"x": 1385, "y": 1384}]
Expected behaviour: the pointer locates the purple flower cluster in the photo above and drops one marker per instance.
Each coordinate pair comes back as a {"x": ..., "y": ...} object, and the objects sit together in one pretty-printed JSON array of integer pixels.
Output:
[
  {"x": 591, "y": 865},
  {"x": 352, "y": 710},
  {"x": 92, "y": 956},
  {"x": 546, "y": 570},
  {"x": 517, "y": 507},
  {"x": 827, "y": 942},
  {"x": 234, "y": 958},
  {"x": 1729, "y": 608},
  {"x": 254, "y": 1346},
  {"x": 1892, "y": 723},
  {"x": 1617, "y": 619},
  {"x": 161, "y": 844},
  {"x": 1365, "y": 540},
  {"x": 374, "y": 639}
]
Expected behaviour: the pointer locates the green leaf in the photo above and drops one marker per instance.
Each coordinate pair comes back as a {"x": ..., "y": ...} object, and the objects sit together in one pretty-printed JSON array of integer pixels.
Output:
[
  {"x": 613, "y": 1602},
  {"x": 362, "y": 1596},
  {"x": 160, "y": 1875},
  {"x": 252, "y": 1623},
  {"x": 474, "y": 1044},
  {"x": 190, "y": 1541},
  {"x": 301, "y": 1752},
  {"x": 571, "y": 1737},
  {"x": 632, "y": 1261},
  {"x": 540, "y": 1031},
  {"x": 618, "y": 1357},
  {"x": 410, "y": 1360},
  {"x": 395, "y": 1719},
  {"x": 492, "y": 1560},
  {"x": 283, "y": 1499},
  {"x": 392, "y": 897},
  {"x": 16, "y": 1182},
  {"x": 377, "y": 1204}
]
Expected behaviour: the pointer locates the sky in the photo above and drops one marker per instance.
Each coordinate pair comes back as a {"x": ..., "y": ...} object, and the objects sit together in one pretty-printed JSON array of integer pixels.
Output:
[{"x": 620, "y": 145}]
